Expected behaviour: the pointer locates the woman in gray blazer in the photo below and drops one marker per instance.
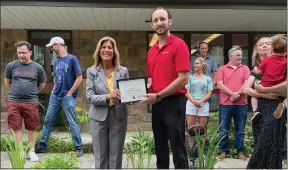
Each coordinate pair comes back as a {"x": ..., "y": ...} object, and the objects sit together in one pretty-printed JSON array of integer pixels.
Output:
[{"x": 108, "y": 117}]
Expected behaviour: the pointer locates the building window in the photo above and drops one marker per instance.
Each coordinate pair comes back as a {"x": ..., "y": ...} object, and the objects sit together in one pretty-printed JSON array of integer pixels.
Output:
[
  {"x": 242, "y": 41},
  {"x": 216, "y": 46}
]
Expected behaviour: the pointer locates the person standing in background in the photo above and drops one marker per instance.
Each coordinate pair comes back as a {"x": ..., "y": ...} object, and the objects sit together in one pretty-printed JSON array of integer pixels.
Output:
[
  {"x": 67, "y": 78},
  {"x": 231, "y": 80},
  {"x": 26, "y": 79}
]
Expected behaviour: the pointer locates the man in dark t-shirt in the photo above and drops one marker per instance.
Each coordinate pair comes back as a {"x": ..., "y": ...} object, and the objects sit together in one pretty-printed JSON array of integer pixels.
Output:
[
  {"x": 26, "y": 79},
  {"x": 67, "y": 78}
]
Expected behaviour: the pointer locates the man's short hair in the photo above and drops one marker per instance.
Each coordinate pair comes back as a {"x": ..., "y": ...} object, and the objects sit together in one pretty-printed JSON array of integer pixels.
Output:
[
  {"x": 233, "y": 49},
  {"x": 279, "y": 44},
  {"x": 23, "y": 43},
  {"x": 203, "y": 43},
  {"x": 169, "y": 14}
]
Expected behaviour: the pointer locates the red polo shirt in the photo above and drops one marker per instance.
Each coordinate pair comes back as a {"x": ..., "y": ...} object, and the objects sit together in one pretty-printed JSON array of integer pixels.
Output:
[
  {"x": 233, "y": 79},
  {"x": 274, "y": 70},
  {"x": 164, "y": 64}
]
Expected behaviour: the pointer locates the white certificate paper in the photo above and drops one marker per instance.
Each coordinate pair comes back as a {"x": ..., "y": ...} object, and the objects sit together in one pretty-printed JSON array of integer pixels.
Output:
[{"x": 132, "y": 90}]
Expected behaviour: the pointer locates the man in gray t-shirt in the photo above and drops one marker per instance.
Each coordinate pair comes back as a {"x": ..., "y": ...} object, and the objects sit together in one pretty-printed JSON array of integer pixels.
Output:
[{"x": 26, "y": 79}]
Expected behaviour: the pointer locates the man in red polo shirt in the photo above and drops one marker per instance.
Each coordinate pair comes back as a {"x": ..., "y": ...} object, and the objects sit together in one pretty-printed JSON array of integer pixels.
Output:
[
  {"x": 168, "y": 70},
  {"x": 231, "y": 80}
]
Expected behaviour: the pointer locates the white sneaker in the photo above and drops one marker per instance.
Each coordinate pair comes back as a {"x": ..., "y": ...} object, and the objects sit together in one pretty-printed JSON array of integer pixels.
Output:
[{"x": 32, "y": 156}]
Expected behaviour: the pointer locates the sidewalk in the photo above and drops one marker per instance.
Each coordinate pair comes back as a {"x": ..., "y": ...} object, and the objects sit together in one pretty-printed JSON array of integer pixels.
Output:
[{"x": 87, "y": 161}]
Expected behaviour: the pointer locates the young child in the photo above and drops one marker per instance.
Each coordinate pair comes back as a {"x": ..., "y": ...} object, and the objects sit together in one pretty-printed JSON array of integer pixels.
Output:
[
  {"x": 262, "y": 42},
  {"x": 274, "y": 69}
]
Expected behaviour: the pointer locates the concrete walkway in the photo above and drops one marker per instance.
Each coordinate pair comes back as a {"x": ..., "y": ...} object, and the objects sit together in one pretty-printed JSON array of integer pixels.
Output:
[{"x": 87, "y": 161}]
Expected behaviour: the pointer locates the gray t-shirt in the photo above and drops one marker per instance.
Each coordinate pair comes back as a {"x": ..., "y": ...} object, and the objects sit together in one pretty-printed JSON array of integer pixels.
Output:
[{"x": 25, "y": 79}]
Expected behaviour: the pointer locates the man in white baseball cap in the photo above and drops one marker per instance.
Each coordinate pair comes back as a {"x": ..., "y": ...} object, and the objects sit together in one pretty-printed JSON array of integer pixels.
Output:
[
  {"x": 68, "y": 77},
  {"x": 55, "y": 40},
  {"x": 56, "y": 45}
]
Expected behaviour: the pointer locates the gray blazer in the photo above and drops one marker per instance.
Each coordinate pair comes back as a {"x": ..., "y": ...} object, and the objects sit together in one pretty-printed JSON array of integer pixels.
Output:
[{"x": 97, "y": 91}]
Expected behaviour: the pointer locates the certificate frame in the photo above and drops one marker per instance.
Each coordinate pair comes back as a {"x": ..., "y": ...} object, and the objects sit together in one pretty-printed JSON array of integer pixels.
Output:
[{"x": 119, "y": 84}]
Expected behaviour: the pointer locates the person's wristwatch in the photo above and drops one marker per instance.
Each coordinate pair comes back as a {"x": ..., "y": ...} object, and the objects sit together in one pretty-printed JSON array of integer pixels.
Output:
[{"x": 158, "y": 98}]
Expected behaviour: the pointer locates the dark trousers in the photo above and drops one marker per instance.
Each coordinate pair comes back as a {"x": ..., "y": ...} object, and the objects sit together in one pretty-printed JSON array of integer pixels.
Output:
[{"x": 168, "y": 123}]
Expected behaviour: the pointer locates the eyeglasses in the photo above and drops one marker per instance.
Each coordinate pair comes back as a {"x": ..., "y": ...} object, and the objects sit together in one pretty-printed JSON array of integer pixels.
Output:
[{"x": 19, "y": 52}]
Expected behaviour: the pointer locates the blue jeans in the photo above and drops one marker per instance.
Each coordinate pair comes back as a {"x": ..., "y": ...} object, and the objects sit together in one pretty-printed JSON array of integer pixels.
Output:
[
  {"x": 239, "y": 114},
  {"x": 67, "y": 103}
]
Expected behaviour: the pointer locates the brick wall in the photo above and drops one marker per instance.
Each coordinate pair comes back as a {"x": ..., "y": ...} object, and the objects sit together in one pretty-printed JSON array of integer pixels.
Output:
[{"x": 8, "y": 54}]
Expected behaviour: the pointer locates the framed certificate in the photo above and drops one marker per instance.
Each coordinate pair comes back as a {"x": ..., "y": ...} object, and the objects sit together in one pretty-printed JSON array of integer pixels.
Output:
[{"x": 132, "y": 89}]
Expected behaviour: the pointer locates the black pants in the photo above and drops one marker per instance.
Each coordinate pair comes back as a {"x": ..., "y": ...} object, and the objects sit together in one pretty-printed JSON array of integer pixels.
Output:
[{"x": 168, "y": 122}]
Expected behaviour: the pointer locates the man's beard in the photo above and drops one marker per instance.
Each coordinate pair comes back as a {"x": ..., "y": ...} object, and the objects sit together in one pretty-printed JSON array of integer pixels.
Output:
[
  {"x": 163, "y": 32},
  {"x": 56, "y": 52},
  {"x": 23, "y": 60}
]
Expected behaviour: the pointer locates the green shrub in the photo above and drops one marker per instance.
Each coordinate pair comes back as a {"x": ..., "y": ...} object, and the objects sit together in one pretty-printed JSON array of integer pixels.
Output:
[
  {"x": 55, "y": 144},
  {"x": 16, "y": 152},
  {"x": 208, "y": 148},
  {"x": 82, "y": 117},
  {"x": 140, "y": 148},
  {"x": 66, "y": 161},
  {"x": 214, "y": 116},
  {"x": 7, "y": 140},
  {"x": 58, "y": 145}
]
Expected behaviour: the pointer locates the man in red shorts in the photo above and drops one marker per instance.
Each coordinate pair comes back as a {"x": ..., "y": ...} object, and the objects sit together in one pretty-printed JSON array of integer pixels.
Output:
[
  {"x": 168, "y": 69},
  {"x": 26, "y": 79}
]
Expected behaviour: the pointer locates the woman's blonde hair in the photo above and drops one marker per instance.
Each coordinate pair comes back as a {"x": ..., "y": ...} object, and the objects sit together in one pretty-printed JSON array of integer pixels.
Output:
[
  {"x": 256, "y": 60},
  {"x": 203, "y": 63},
  {"x": 97, "y": 56}
]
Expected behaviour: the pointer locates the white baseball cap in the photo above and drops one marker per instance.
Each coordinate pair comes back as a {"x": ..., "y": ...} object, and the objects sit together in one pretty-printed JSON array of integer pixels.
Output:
[{"x": 55, "y": 40}]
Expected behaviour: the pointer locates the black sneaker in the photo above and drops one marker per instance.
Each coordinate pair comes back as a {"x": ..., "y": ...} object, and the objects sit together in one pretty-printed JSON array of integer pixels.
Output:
[
  {"x": 40, "y": 150},
  {"x": 79, "y": 152},
  {"x": 255, "y": 115}
]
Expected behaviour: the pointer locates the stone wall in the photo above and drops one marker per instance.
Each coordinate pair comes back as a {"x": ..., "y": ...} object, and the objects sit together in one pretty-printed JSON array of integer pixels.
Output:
[
  {"x": 132, "y": 47},
  {"x": 8, "y": 54}
]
